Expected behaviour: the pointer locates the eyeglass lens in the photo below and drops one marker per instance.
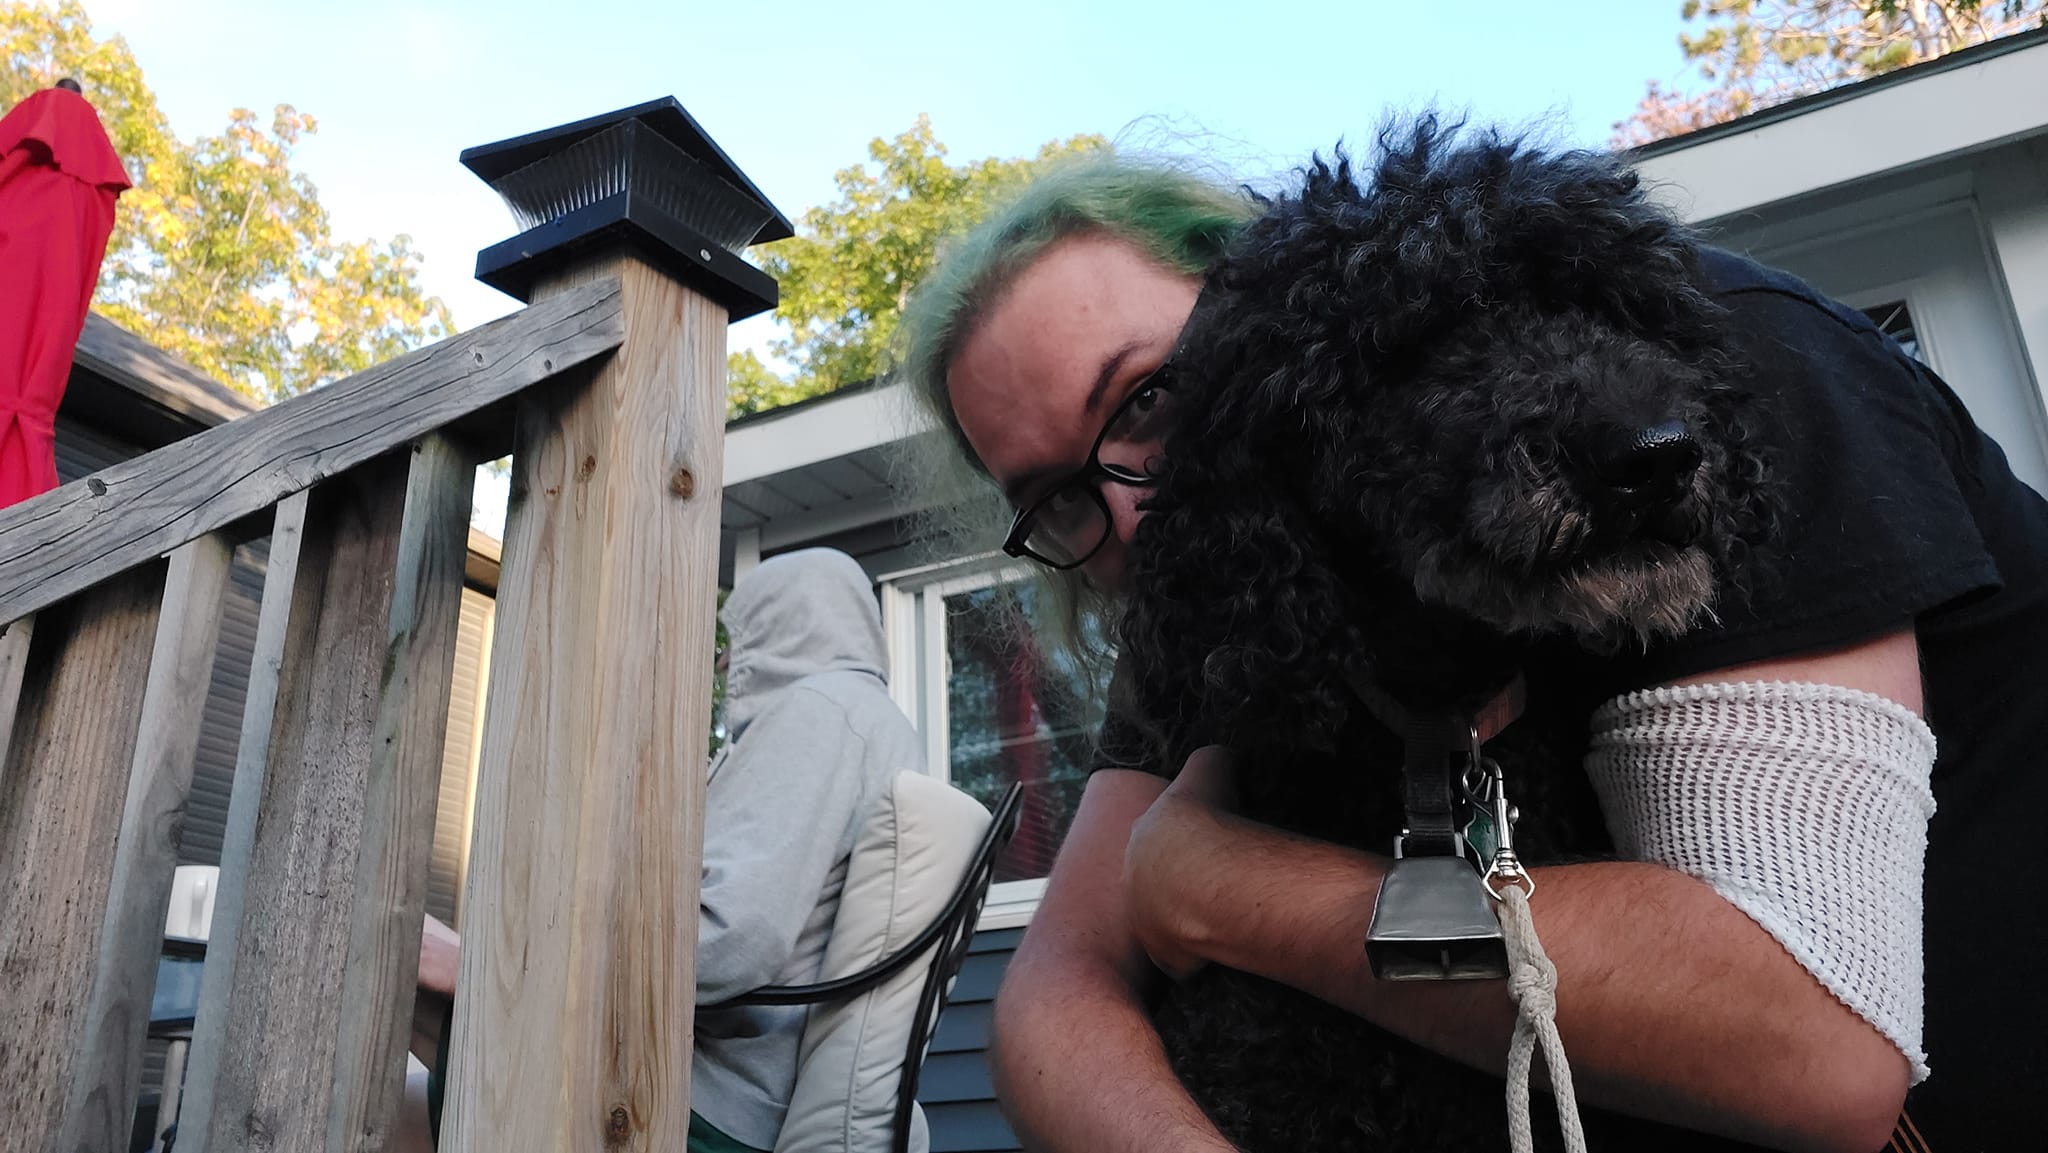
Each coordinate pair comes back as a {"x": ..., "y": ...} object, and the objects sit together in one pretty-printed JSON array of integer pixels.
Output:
[{"x": 1072, "y": 521}]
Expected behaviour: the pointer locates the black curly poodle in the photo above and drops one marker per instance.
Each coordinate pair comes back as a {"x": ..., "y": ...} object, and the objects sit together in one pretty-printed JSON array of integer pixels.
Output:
[{"x": 1471, "y": 419}]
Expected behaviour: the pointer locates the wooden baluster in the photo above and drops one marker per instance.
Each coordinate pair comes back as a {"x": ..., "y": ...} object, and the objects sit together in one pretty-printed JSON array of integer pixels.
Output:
[
  {"x": 61, "y": 798},
  {"x": 15, "y": 639},
  {"x": 245, "y": 804},
  {"x": 99, "y": 1110},
  {"x": 575, "y": 999},
  {"x": 310, "y": 972}
]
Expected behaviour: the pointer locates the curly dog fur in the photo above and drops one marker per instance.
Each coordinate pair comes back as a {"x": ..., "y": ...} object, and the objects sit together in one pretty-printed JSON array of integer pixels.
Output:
[{"x": 1403, "y": 453}]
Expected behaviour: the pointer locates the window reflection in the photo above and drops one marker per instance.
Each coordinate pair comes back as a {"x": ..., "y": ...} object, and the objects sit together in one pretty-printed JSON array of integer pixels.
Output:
[{"x": 1013, "y": 714}]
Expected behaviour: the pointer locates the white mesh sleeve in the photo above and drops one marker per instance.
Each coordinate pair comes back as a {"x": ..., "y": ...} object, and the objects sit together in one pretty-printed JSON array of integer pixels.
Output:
[{"x": 1805, "y": 806}]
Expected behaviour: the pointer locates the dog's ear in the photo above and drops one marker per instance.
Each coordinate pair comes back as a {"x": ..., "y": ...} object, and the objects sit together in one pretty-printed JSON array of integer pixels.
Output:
[{"x": 1457, "y": 221}]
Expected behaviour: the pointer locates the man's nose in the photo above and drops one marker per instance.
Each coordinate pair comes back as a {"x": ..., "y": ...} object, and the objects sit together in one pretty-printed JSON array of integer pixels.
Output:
[
  {"x": 1124, "y": 514},
  {"x": 1107, "y": 568}
]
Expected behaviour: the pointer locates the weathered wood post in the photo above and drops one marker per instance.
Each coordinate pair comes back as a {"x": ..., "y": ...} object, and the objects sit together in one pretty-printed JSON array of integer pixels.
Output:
[{"x": 574, "y": 1003}]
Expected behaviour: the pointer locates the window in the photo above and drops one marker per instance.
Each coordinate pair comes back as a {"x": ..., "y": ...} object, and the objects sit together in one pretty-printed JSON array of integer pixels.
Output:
[
  {"x": 1895, "y": 320},
  {"x": 993, "y": 708}
]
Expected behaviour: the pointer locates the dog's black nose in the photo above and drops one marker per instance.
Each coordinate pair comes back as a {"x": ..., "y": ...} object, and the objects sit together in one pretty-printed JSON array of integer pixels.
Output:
[{"x": 1646, "y": 468}]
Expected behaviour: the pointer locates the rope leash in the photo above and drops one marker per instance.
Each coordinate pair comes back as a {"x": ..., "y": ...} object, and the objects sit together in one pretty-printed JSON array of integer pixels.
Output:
[{"x": 1532, "y": 983}]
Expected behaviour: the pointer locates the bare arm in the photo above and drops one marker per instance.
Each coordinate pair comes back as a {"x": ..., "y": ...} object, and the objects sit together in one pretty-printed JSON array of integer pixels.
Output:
[
  {"x": 1077, "y": 1064},
  {"x": 434, "y": 1000},
  {"x": 1672, "y": 1003}
]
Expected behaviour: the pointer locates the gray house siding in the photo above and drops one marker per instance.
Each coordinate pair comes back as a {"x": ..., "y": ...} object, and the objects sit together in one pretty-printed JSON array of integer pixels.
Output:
[
  {"x": 445, "y": 871},
  {"x": 220, "y": 727},
  {"x": 82, "y": 449},
  {"x": 959, "y": 1101}
]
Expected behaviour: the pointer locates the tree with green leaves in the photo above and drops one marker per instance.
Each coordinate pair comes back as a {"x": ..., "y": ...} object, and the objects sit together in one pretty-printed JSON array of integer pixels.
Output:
[
  {"x": 847, "y": 272},
  {"x": 1756, "y": 53},
  {"x": 751, "y": 386},
  {"x": 221, "y": 253}
]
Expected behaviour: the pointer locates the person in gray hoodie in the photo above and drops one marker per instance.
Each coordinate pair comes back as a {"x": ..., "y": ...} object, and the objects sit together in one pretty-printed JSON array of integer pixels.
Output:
[{"x": 813, "y": 740}]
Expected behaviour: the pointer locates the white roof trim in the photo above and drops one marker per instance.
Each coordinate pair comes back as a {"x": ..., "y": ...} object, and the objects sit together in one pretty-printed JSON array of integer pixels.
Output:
[
  {"x": 1011, "y": 904},
  {"x": 797, "y": 528},
  {"x": 827, "y": 430},
  {"x": 1899, "y": 126}
]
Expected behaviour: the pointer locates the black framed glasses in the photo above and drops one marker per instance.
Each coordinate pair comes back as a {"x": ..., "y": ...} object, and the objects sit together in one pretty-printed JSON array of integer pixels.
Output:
[{"x": 1071, "y": 522}]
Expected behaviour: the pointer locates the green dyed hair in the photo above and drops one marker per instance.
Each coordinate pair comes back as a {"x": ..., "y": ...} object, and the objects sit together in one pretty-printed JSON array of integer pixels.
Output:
[{"x": 1176, "y": 217}]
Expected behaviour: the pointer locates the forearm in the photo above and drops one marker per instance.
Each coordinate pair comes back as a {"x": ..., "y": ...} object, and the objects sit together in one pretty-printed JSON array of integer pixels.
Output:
[
  {"x": 434, "y": 1001},
  {"x": 430, "y": 1013},
  {"x": 1671, "y": 1002},
  {"x": 1079, "y": 1068}
]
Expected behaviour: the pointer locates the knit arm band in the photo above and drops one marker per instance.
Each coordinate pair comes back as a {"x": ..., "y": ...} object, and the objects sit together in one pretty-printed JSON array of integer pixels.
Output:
[{"x": 1805, "y": 806}]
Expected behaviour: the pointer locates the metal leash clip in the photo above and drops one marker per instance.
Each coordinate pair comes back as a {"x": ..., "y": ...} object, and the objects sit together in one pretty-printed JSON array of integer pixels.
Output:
[{"x": 1491, "y": 831}]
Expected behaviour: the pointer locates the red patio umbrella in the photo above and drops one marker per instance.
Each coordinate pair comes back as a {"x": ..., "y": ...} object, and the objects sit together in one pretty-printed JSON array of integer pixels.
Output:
[{"x": 58, "y": 180}]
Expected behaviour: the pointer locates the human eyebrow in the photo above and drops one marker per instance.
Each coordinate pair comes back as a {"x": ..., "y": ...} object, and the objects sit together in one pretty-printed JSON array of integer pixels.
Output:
[
  {"x": 1106, "y": 375},
  {"x": 1015, "y": 490}
]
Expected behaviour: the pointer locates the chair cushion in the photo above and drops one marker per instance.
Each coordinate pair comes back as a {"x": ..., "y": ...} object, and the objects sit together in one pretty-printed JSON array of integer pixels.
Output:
[
  {"x": 193, "y": 890},
  {"x": 908, "y": 859}
]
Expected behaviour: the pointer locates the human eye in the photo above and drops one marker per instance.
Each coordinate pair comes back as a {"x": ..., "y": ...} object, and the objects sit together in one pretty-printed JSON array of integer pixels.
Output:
[{"x": 1145, "y": 415}]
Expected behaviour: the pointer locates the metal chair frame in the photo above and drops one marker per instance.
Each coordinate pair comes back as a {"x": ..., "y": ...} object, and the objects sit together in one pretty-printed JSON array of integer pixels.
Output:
[{"x": 952, "y": 932}]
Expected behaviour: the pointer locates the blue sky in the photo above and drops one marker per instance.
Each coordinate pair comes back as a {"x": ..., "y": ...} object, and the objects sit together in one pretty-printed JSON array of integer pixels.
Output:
[{"x": 794, "y": 91}]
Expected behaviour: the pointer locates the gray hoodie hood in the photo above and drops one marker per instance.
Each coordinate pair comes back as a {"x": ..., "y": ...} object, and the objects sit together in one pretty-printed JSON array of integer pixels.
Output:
[
  {"x": 794, "y": 616},
  {"x": 814, "y": 742}
]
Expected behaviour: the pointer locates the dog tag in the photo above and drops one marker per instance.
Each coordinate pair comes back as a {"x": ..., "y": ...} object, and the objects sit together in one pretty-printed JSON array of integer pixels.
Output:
[
  {"x": 1481, "y": 834},
  {"x": 1491, "y": 827}
]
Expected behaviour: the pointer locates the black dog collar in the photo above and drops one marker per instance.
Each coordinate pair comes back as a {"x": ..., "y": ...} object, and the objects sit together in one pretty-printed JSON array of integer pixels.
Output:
[{"x": 1437, "y": 748}]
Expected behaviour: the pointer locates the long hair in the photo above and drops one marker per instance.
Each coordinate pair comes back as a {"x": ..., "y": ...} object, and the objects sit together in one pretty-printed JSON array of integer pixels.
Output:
[{"x": 1177, "y": 218}]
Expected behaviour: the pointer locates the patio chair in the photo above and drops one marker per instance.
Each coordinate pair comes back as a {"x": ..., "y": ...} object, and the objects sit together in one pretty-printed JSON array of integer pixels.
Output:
[
  {"x": 919, "y": 874},
  {"x": 915, "y": 886}
]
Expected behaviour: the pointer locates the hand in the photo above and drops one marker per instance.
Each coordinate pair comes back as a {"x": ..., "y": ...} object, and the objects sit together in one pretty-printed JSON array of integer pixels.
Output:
[
  {"x": 440, "y": 958},
  {"x": 1183, "y": 833},
  {"x": 434, "y": 999}
]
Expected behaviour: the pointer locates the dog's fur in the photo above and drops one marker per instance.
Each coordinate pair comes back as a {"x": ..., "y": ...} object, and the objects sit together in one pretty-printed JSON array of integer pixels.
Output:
[{"x": 1390, "y": 395}]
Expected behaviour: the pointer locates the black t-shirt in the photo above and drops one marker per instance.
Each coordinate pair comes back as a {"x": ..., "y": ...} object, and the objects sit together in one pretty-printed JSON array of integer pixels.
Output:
[{"x": 1901, "y": 510}]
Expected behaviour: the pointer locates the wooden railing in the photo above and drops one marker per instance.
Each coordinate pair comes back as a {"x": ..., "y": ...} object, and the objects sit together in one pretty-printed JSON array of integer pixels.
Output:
[{"x": 573, "y": 1012}]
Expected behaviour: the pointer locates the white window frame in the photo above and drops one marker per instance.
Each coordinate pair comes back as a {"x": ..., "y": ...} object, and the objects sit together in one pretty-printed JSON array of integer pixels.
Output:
[
  {"x": 1950, "y": 267},
  {"x": 914, "y": 621},
  {"x": 1911, "y": 295}
]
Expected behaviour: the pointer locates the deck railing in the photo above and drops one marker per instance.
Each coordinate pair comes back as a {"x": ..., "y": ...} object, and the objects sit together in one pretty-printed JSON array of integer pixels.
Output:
[{"x": 573, "y": 1013}]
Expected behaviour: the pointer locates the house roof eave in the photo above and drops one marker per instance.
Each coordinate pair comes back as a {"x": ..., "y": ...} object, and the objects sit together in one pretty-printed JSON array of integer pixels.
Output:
[{"x": 1966, "y": 103}]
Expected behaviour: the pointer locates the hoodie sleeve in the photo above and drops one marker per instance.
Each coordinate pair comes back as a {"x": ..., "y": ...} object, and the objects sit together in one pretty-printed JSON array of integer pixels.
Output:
[{"x": 776, "y": 817}]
